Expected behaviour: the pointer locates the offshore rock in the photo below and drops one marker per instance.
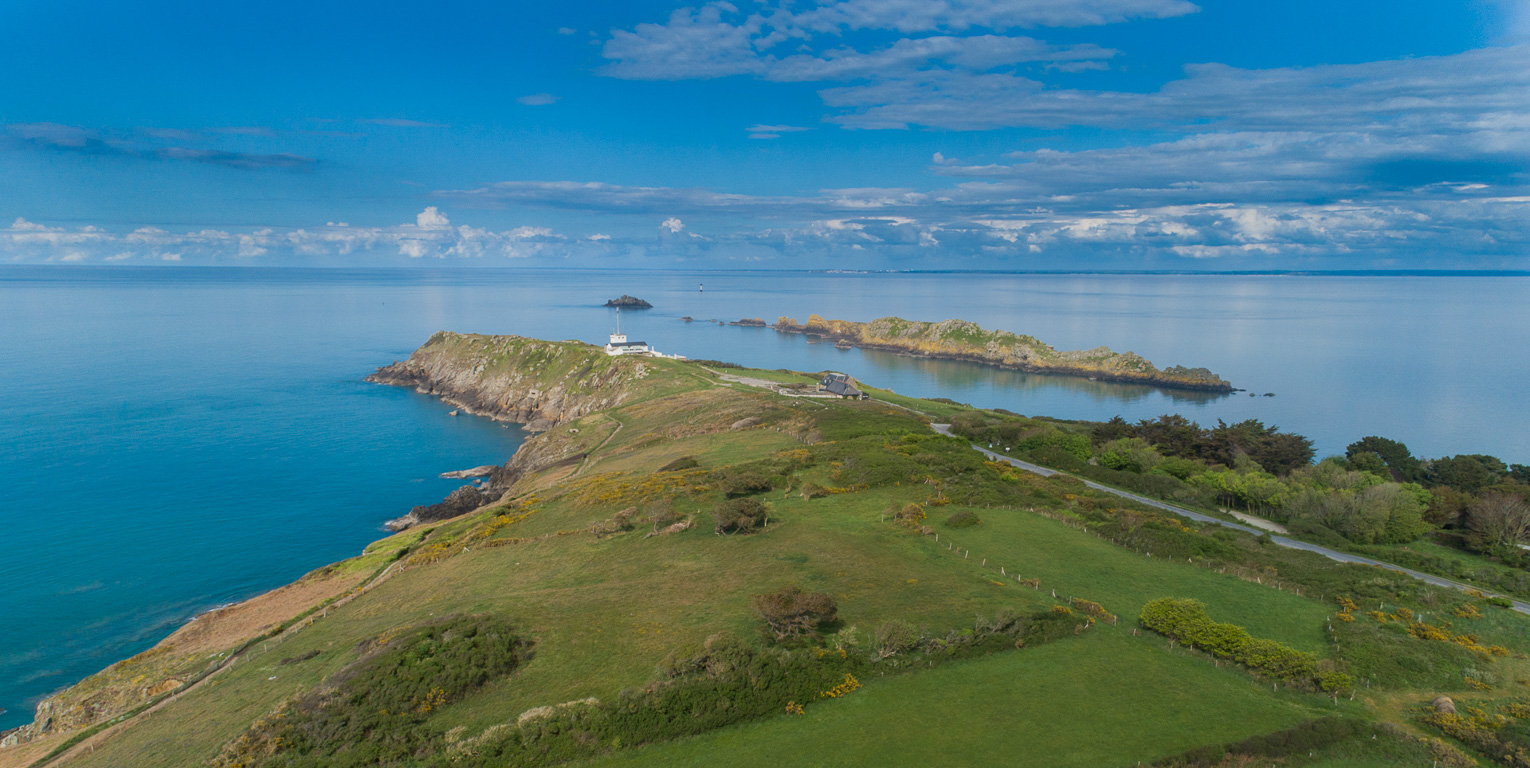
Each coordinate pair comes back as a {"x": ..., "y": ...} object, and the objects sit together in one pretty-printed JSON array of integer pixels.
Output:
[{"x": 629, "y": 302}]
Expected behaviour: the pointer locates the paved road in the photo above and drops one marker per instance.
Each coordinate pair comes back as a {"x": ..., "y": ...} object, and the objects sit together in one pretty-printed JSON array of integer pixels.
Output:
[{"x": 1332, "y": 554}]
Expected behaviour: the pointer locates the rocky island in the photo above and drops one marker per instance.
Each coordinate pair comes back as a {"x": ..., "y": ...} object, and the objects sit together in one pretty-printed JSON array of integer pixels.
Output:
[
  {"x": 962, "y": 340},
  {"x": 628, "y": 302}
]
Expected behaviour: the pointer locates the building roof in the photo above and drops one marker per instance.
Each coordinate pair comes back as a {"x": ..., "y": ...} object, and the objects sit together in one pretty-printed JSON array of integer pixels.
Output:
[
  {"x": 842, "y": 387},
  {"x": 628, "y": 344}
]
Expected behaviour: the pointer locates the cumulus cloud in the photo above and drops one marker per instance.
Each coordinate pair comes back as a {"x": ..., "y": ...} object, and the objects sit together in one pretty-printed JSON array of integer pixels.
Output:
[
  {"x": 431, "y": 218},
  {"x": 672, "y": 225},
  {"x": 431, "y": 236}
]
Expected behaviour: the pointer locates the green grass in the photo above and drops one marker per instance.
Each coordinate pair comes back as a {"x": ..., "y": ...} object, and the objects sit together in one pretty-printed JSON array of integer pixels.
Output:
[
  {"x": 1104, "y": 699},
  {"x": 1081, "y": 565},
  {"x": 605, "y": 612}
]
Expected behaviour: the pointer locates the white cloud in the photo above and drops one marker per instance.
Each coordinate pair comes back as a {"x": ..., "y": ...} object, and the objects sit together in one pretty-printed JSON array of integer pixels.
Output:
[
  {"x": 672, "y": 225},
  {"x": 431, "y": 218},
  {"x": 537, "y": 99}
]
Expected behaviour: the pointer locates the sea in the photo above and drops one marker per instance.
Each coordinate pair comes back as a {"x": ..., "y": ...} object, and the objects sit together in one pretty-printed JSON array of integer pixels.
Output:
[{"x": 174, "y": 439}]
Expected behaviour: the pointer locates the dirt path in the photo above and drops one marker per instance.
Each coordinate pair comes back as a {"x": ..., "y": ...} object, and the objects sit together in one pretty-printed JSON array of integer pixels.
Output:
[{"x": 583, "y": 465}]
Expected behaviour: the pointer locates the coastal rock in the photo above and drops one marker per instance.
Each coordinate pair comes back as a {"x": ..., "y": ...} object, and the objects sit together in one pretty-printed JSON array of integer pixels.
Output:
[
  {"x": 462, "y": 474},
  {"x": 460, "y": 502},
  {"x": 629, "y": 302},
  {"x": 750, "y": 322}
]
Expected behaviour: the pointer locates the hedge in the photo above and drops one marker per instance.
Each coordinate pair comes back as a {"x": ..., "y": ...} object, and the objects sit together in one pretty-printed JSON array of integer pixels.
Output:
[{"x": 1186, "y": 620}]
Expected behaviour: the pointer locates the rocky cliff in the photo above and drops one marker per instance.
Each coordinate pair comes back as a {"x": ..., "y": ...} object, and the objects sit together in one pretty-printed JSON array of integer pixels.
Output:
[
  {"x": 962, "y": 340},
  {"x": 538, "y": 384}
]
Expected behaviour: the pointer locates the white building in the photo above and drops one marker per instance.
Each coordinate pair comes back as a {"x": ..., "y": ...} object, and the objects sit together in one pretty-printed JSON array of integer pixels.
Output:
[{"x": 620, "y": 346}]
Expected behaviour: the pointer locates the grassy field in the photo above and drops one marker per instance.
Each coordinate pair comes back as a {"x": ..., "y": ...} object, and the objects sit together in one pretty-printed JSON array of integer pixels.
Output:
[
  {"x": 1105, "y": 699},
  {"x": 605, "y": 604}
]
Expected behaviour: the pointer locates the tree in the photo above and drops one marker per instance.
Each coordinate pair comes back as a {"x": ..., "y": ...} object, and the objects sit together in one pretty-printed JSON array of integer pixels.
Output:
[
  {"x": 1130, "y": 454},
  {"x": 1500, "y": 520},
  {"x": 1174, "y": 435},
  {"x": 739, "y": 515},
  {"x": 1115, "y": 429},
  {"x": 1393, "y": 454},
  {"x": 1466, "y": 472},
  {"x": 792, "y": 612}
]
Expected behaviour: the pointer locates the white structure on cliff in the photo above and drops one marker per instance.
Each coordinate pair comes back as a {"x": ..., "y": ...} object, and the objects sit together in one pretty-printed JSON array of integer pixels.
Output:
[{"x": 618, "y": 345}]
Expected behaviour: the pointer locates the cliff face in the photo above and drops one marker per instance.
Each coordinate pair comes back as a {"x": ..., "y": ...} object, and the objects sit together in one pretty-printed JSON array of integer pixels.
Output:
[
  {"x": 510, "y": 378},
  {"x": 538, "y": 384},
  {"x": 962, "y": 340}
]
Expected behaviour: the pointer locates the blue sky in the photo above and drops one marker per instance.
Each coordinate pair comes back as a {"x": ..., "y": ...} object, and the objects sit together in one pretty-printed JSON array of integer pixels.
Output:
[{"x": 959, "y": 134}]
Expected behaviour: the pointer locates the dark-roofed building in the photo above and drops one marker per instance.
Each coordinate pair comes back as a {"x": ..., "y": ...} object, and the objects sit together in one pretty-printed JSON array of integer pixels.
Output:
[{"x": 842, "y": 385}]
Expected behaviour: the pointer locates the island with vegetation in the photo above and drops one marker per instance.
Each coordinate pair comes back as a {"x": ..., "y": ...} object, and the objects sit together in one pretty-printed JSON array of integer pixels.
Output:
[
  {"x": 686, "y": 564},
  {"x": 628, "y": 302},
  {"x": 962, "y": 340}
]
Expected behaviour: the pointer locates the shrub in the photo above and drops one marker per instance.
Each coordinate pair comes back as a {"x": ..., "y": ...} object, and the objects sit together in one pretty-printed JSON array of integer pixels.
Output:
[
  {"x": 963, "y": 519},
  {"x": 374, "y": 712},
  {"x": 735, "y": 482},
  {"x": 892, "y": 638},
  {"x": 1188, "y": 622},
  {"x": 684, "y": 462},
  {"x": 793, "y": 613},
  {"x": 739, "y": 515}
]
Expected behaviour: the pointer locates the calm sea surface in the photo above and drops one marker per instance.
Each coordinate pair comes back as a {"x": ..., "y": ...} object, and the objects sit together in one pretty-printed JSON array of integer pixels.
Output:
[{"x": 174, "y": 439}]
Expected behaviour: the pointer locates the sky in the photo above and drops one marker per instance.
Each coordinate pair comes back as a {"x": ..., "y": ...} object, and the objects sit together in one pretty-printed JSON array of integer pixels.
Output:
[{"x": 1215, "y": 135}]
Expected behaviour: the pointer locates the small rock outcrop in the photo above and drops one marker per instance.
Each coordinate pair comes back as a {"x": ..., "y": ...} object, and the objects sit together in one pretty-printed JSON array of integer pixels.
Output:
[
  {"x": 460, "y": 502},
  {"x": 1445, "y": 705},
  {"x": 629, "y": 302},
  {"x": 462, "y": 474},
  {"x": 750, "y": 322}
]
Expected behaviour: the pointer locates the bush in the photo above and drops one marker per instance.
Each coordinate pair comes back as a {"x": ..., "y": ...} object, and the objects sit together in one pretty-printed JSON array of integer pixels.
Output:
[
  {"x": 894, "y": 637},
  {"x": 735, "y": 482},
  {"x": 684, "y": 462},
  {"x": 963, "y": 519},
  {"x": 739, "y": 515},
  {"x": 374, "y": 712},
  {"x": 792, "y": 613},
  {"x": 1188, "y": 622}
]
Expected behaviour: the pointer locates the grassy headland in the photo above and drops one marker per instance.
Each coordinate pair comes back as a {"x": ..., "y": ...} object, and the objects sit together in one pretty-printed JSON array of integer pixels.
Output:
[{"x": 604, "y": 604}]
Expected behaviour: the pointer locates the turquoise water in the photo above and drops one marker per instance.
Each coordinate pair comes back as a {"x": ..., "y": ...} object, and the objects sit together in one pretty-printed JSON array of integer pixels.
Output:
[{"x": 174, "y": 439}]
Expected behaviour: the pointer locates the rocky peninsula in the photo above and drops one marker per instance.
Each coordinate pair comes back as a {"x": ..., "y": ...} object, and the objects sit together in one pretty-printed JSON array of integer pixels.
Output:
[
  {"x": 963, "y": 340},
  {"x": 537, "y": 384}
]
